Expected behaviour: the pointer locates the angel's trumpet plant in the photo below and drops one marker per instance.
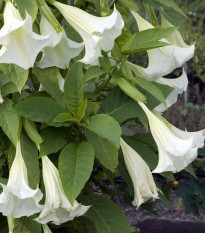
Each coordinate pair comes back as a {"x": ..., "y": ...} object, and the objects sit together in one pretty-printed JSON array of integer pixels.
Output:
[
  {"x": 164, "y": 60},
  {"x": 57, "y": 209},
  {"x": 20, "y": 45},
  {"x": 142, "y": 179},
  {"x": 61, "y": 50},
  {"x": 98, "y": 33},
  {"x": 17, "y": 197},
  {"x": 176, "y": 148}
]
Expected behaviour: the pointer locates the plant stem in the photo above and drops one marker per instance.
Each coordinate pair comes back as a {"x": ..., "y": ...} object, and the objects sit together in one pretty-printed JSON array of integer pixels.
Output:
[{"x": 112, "y": 3}]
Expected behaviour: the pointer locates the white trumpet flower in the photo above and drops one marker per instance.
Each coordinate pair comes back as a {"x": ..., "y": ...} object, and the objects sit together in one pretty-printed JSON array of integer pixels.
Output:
[
  {"x": 143, "y": 182},
  {"x": 20, "y": 45},
  {"x": 17, "y": 197},
  {"x": 164, "y": 60},
  {"x": 61, "y": 50},
  {"x": 98, "y": 33},
  {"x": 176, "y": 148},
  {"x": 179, "y": 84},
  {"x": 57, "y": 208}
]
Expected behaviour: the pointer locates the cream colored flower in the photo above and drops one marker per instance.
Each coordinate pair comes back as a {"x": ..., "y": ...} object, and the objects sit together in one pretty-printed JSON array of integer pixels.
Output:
[
  {"x": 57, "y": 208},
  {"x": 17, "y": 197},
  {"x": 164, "y": 60},
  {"x": 20, "y": 45},
  {"x": 176, "y": 148},
  {"x": 61, "y": 50},
  {"x": 144, "y": 185},
  {"x": 179, "y": 84},
  {"x": 98, "y": 33}
]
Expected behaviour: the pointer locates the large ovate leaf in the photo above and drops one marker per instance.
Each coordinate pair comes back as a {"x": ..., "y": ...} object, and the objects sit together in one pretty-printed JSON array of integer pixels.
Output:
[
  {"x": 103, "y": 132},
  {"x": 15, "y": 74},
  {"x": 54, "y": 139},
  {"x": 31, "y": 7},
  {"x": 119, "y": 106},
  {"x": 9, "y": 121},
  {"x": 147, "y": 39},
  {"x": 106, "y": 215},
  {"x": 75, "y": 166},
  {"x": 93, "y": 72},
  {"x": 73, "y": 88},
  {"x": 49, "y": 78},
  {"x": 30, "y": 156},
  {"x": 39, "y": 109}
]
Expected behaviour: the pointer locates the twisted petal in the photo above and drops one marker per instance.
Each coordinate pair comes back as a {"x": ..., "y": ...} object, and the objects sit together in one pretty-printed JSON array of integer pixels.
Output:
[
  {"x": 140, "y": 174},
  {"x": 57, "y": 208},
  {"x": 179, "y": 84},
  {"x": 176, "y": 148},
  {"x": 98, "y": 33},
  {"x": 164, "y": 60},
  {"x": 61, "y": 50},
  {"x": 17, "y": 197},
  {"x": 20, "y": 44}
]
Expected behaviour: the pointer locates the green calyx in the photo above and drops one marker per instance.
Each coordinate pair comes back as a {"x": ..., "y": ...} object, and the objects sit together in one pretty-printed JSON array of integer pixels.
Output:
[{"x": 46, "y": 11}]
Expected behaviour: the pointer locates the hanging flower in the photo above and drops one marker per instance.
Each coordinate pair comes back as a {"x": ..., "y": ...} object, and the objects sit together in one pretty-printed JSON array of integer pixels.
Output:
[
  {"x": 176, "y": 148},
  {"x": 57, "y": 208},
  {"x": 20, "y": 45},
  {"x": 98, "y": 33},
  {"x": 179, "y": 84},
  {"x": 61, "y": 50},
  {"x": 144, "y": 185},
  {"x": 164, "y": 60},
  {"x": 17, "y": 197}
]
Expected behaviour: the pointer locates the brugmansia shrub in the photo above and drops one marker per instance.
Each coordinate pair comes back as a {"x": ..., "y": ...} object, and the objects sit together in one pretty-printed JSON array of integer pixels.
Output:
[{"x": 69, "y": 96}]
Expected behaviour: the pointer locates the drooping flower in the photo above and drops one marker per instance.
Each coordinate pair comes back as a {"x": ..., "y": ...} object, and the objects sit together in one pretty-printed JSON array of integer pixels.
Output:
[
  {"x": 20, "y": 45},
  {"x": 61, "y": 50},
  {"x": 98, "y": 33},
  {"x": 164, "y": 60},
  {"x": 57, "y": 208},
  {"x": 17, "y": 197},
  {"x": 143, "y": 182},
  {"x": 176, "y": 148},
  {"x": 179, "y": 84}
]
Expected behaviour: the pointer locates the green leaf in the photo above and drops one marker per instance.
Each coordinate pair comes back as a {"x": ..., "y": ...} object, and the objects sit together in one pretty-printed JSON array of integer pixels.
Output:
[
  {"x": 186, "y": 192},
  {"x": 129, "y": 4},
  {"x": 9, "y": 121},
  {"x": 105, "y": 63},
  {"x": 15, "y": 74},
  {"x": 64, "y": 117},
  {"x": 106, "y": 215},
  {"x": 30, "y": 156},
  {"x": 73, "y": 88},
  {"x": 147, "y": 39},
  {"x": 75, "y": 166},
  {"x": 81, "y": 110},
  {"x": 162, "y": 3},
  {"x": 49, "y": 78},
  {"x": 39, "y": 109},
  {"x": 30, "y": 6},
  {"x": 119, "y": 106},
  {"x": 103, "y": 132},
  {"x": 190, "y": 169},
  {"x": 10, "y": 88},
  {"x": 127, "y": 87},
  {"x": 31, "y": 225},
  {"x": 93, "y": 72},
  {"x": 54, "y": 139}
]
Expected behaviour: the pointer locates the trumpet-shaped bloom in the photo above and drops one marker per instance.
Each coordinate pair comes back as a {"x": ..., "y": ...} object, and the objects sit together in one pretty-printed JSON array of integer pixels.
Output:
[
  {"x": 98, "y": 33},
  {"x": 179, "y": 84},
  {"x": 144, "y": 185},
  {"x": 61, "y": 50},
  {"x": 20, "y": 45},
  {"x": 176, "y": 148},
  {"x": 17, "y": 197},
  {"x": 57, "y": 208},
  {"x": 164, "y": 60}
]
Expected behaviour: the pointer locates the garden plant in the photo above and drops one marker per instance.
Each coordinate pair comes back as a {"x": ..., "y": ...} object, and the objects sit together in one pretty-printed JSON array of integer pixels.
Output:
[{"x": 71, "y": 104}]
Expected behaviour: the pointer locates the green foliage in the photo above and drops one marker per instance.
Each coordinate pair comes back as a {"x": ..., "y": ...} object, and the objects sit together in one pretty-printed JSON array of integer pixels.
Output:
[{"x": 75, "y": 166}]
